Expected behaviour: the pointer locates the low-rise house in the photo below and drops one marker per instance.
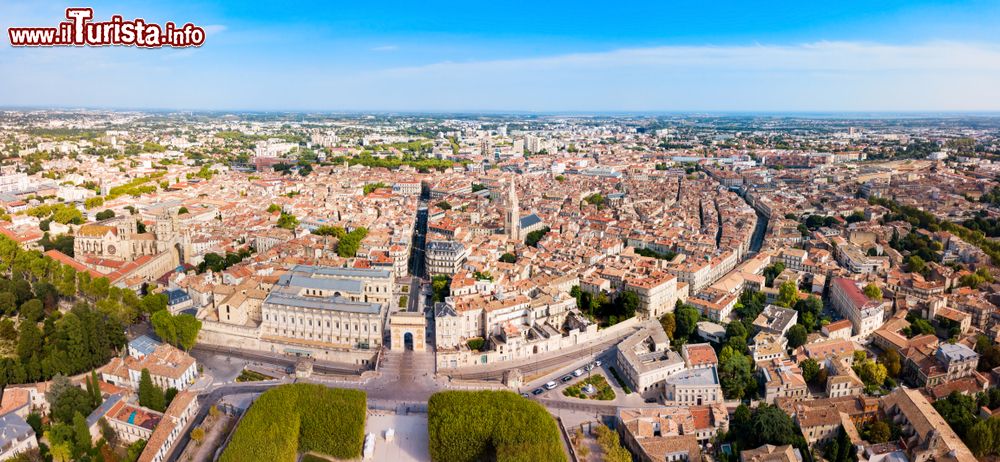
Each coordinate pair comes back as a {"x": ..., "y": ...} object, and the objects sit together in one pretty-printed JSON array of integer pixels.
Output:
[
  {"x": 767, "y": 346},
  {"x": 776, "y": 320},
  {"x": 838, "y": 329},
  {"x": 842, "y": 380},
  {"x": 947, "y": 363},
  {"x": 693, "y": 387},
  {"x": 782, "y": 379},
  {"x": 820, "y": 418},
  {"x": 173, "y": 424},
  {"x": 168, "y": 366},
  {"x": 771, "y": 453},
  {"x": 698, "y": 355},
  {"x": 670, "y": 433}
]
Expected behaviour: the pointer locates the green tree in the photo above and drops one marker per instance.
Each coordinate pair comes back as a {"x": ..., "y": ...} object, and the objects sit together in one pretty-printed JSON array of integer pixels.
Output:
[
  {"x": 983, "y": 438},
  {"x": 873, "y": 292},
  {"x": 796, "y": 336},
  {"x": 871, "y": 373},
  {"x": 287, "y": 221},
  {"x": 788, "y": 294},
  {"x": 810, "y": 369},
  {"x": 508, "y": 258},
  {"x": 735, "y": 374},
  {"x": 915, "y": 264},
  {"x": 150, "y": 395},
  {"x": 891, "y": 360},
  {"x": 669, "y": 324},
  {"x": 687, "y": 318},
  {"x": 82, "y": 434},
  {"x": 879, "y": 432},
  {"x": 164, "y": 326},
  {"x": 105, "y": 215},
  {"x": 66, "y": 399},
  {"x": 629, "y": 302}
]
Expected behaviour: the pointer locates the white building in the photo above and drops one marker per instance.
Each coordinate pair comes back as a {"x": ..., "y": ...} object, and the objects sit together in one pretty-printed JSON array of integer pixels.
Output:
[
  {"x": 16, "y": 436},
  {"x": 865, "y": 314},
  {"x": 693, "y": 387}
]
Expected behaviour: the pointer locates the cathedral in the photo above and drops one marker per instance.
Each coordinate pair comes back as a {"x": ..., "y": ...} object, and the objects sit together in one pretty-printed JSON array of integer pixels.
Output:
[{"x": 119, "y": 238}]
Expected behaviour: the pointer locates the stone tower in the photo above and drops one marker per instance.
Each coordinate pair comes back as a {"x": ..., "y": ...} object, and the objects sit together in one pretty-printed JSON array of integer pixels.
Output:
[{"x": 513, "y": 212}]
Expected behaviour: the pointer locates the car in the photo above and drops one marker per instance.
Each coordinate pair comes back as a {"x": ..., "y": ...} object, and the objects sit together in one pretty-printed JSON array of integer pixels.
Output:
[
  {"x": 578, "y": 372},
  {"x": 538, "y": 391},
  {"x": 597, "y": 363},
  {"x": 588, "y": 367},
  {"x": 525, "y": 395},
  {"x": 650, "y": 400},
  {"x": 567, "y": 378},
  {"x": 550, "y": 385}
]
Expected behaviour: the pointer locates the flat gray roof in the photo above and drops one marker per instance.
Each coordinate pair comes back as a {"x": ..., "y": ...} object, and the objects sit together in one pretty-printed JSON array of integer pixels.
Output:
[
  {"x": 694, "y": 377},
  {"x": 12, "y": 428},
  {"x": 339, "y": 285},
  {"x": 323, "y": 303},
  {"x": 341, "y": 272}
]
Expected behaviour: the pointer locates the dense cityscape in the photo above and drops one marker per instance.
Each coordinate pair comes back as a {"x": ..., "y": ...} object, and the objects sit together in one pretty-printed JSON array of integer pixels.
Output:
[{"x": 199, "y": 286}]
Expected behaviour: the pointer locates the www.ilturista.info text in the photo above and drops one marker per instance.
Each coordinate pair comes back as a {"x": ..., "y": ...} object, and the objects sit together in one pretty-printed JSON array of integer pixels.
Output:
[{"x": 80, "y": 31}]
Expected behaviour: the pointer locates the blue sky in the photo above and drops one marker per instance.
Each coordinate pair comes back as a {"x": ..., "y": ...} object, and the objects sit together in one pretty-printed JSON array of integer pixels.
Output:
[{"x": 526, "y": 56}]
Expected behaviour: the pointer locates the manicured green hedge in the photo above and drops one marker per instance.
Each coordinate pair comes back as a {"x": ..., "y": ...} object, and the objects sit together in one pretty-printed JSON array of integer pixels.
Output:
[
  {"x": 300, "y": 417},
  {"x": 467, "y": 426}
]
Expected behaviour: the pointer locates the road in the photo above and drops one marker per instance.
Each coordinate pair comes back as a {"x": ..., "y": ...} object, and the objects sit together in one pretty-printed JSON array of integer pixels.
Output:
[
  {"x": 325, "y": 367},
  {"x": 543, "y": 364}
]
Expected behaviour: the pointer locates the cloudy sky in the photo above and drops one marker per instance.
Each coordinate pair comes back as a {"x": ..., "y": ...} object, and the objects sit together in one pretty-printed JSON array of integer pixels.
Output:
[{"x": 547, "y": 56}]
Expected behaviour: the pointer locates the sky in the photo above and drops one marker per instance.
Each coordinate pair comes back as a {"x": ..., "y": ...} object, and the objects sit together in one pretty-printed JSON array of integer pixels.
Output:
[{"x": 538, "y": 56}]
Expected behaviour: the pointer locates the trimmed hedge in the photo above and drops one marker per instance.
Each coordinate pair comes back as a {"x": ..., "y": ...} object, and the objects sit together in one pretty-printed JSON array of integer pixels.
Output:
[
  {"x": 468, "y": 426},
  {"x": 300, "y": 417}
]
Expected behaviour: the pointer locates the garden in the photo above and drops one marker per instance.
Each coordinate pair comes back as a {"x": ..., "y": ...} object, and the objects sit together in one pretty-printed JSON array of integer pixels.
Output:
[
  {"x": 290, "y": 419},
  {"x": 602, "y": 389},
  {"x": 469, "y": 426}
]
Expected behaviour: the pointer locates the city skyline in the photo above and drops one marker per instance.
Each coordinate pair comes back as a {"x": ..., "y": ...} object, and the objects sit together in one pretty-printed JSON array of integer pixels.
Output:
[{"x": 923, "y": 57}]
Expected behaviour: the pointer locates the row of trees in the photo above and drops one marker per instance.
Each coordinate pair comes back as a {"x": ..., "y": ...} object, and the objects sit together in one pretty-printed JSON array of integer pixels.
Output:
[
  {"x": 960, "y": 411},
  {"x": 533, "y": 237},
  {"x": 217, "y": 263},
  {"x": 468, "y": 426},
  {"x": 48, "y": 341},
  {"x": 179, "y": 330}
]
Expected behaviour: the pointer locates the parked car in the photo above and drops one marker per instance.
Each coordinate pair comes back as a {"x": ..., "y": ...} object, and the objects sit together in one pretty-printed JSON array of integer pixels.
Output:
[
  {"x": 550, "y": 385},
  {"x": 588, "y": 367},
  {"x": 578, "y": 372},
  {"x": 538, "y": 390},
  {"x": 597, "y": 363},
  {"x": 567, "y": 378},
  {"x": 525, "y": 395}
]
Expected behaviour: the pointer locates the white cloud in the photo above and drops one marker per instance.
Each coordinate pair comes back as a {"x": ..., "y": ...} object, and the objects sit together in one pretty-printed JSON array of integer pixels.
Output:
[
  {"x": 386, "y": 48},
  {"x": 213, "y": 29}
]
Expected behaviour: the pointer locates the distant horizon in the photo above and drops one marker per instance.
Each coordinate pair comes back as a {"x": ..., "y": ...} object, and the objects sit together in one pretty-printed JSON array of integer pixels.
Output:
[{"x": 818, "y": 114}]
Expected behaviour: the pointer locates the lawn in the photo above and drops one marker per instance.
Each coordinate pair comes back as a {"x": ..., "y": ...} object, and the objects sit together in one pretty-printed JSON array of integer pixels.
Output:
[{"x": 603, "y": 393}]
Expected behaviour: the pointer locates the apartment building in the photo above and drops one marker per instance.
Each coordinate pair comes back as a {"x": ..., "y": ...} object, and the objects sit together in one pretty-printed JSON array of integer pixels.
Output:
[
  {"x": 866, "y": 315},
  {"x": 444, "y": 257}
]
